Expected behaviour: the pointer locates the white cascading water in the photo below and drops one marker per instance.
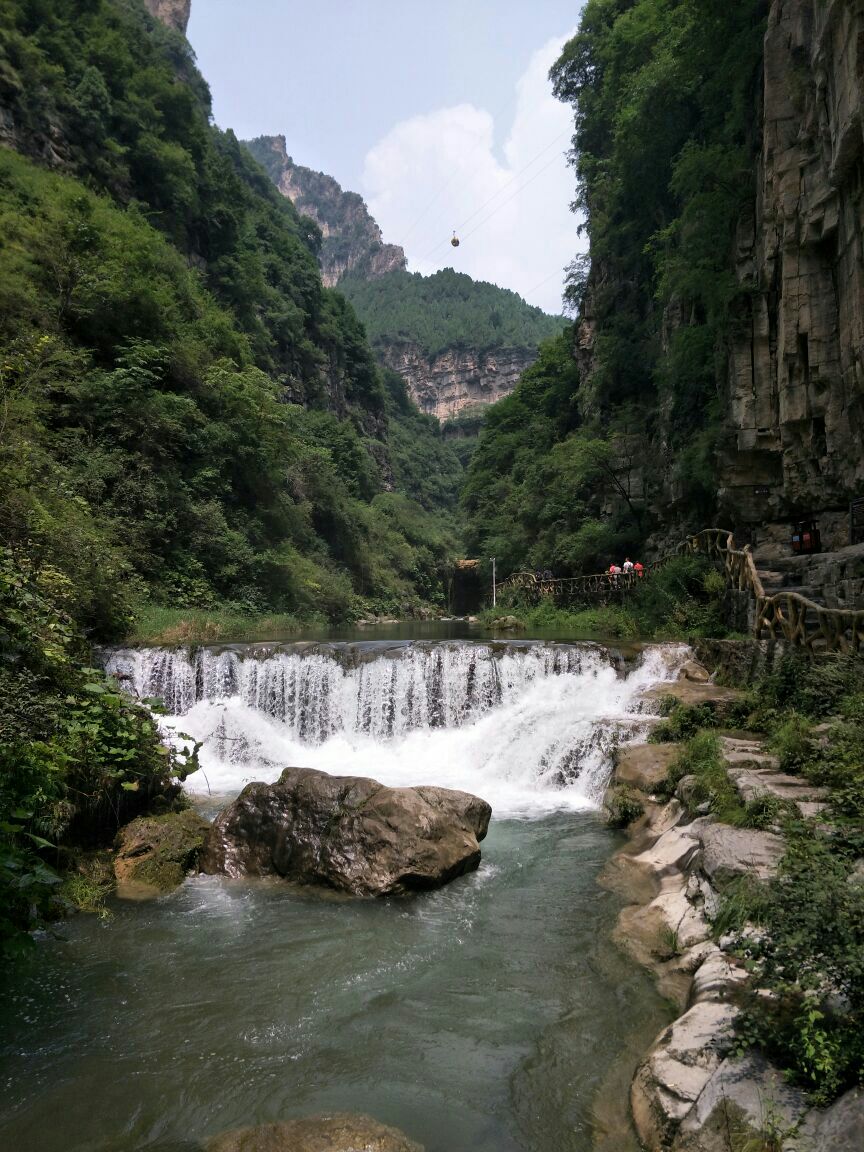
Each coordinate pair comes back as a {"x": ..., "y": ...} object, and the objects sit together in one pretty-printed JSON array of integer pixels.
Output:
[{"x": 530, "y": 728}]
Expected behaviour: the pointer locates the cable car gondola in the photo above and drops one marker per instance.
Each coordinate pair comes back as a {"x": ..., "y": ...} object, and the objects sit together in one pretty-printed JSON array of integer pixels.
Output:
[{"x": 455, "y": 241}]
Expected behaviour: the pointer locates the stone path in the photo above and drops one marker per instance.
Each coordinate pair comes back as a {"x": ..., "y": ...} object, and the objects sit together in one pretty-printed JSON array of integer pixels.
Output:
[
  {"x": 756, "y": 772},
  {"x": 691, "y": 1085}
]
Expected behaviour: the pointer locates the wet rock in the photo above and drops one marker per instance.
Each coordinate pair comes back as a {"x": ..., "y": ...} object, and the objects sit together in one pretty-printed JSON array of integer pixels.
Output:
[
  {"x": 739, "y": 1099},
  {"x": 672, "y": 1078},
  {"x": 156, "y": 852},
  {"x": 838, "y": 1128},
  {"x": 507, "y": 623},
  {"x": 729, "y": 852},
  {"x": 644, "y": 766},
  {"x": 340, "y": 1132},
  {"x": 693, "y": 670},
  {"x": 348, "y": 832}
]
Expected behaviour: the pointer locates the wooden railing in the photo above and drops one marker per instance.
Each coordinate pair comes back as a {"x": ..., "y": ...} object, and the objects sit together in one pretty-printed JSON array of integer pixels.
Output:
[{"x": 783, "y": 616}]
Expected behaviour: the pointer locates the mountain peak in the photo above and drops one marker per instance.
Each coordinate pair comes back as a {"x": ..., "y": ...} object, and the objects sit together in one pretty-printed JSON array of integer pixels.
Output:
[
  {"x": 173, "y": 13},
  {"x": 353, "y": 244}
]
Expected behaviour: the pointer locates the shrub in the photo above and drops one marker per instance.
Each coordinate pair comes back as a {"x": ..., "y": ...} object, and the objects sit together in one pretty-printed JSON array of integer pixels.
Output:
[
  {"x": 623, "y": 806},
  {"x": 811, "y": 960}
]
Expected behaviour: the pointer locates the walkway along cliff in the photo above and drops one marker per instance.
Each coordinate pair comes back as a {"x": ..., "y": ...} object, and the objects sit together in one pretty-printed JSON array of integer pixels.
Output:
[{"x": 781, "y": 615}]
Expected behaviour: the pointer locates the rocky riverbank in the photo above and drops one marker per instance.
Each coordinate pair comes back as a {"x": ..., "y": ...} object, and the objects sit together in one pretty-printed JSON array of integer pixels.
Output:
[{"x": 694, "y": 1091}]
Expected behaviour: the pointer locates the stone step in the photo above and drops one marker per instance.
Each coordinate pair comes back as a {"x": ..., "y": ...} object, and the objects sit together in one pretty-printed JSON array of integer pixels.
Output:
[{"x": 756, "y": 772}]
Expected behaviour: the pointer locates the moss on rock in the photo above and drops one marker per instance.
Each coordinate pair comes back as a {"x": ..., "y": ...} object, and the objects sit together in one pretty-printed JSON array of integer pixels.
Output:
[{"x": 157, "y": 851}]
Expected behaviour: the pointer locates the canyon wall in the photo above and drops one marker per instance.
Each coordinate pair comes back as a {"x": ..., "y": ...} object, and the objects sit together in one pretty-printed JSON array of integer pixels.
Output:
[
  {"x": 795, "y": 401},
  {"x": 174, "y": 13},
  {"x": 351, "y": 240},
  {"x": 457, "y": 379}
]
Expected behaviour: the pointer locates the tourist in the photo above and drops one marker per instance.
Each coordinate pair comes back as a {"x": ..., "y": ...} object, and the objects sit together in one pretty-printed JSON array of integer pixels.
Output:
[
  {"x": 628, "y": 565},
  {"x": 638, "y": 569}
]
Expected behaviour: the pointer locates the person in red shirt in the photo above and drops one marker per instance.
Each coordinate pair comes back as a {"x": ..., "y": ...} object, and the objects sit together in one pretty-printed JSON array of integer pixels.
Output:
[{"x": 638, "y": 569}]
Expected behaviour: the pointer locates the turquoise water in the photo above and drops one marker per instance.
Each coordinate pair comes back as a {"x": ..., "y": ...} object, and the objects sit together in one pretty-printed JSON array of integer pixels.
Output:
[{"x": 481, "y": 1017}]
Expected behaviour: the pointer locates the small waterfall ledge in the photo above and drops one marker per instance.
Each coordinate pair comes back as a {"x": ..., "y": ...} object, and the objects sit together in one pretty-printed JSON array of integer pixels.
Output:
[{"x": 528, "y": 725}]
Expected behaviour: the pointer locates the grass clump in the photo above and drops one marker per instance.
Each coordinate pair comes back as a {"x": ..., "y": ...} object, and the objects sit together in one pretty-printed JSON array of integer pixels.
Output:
[
  {"x": 701, "y": 759},
  {"x": 810, "y": 958},
  {"x": 623, "y": 806},
  {"x": 681, "y": 721},
  {"x": 158, "y": 624}
]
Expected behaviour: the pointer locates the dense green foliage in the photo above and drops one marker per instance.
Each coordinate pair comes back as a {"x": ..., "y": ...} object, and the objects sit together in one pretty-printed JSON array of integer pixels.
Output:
[
  {"x": 684, "y": 598},
  {"x": 152, "y": 336},
  {"x": 76, "y": 757},
  {"x": 807, "y": 956},
  {"x": 187, "y": 417},
  {"x": 664, "y": 93},
  {"x": 446, "y": 310}
]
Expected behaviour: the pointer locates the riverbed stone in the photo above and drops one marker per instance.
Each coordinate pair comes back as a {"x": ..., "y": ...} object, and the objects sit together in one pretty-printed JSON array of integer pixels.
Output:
[
  {"x": 716, "y": 978},
  {"x": 340, "y": 1132},
  {"x": 839, "y": 1128},
  {"x": 722, "y": 701},
  {"x": 728, "y": 853},
  {"x": 739, "y": 1099},
  {"x": 154, "y": 853},
  {"x": 348, "y": 832},
  {"x": 684, "y": 1057},
  {"x": 670, "y": 854},
  {"x": 644, "y": 766}
]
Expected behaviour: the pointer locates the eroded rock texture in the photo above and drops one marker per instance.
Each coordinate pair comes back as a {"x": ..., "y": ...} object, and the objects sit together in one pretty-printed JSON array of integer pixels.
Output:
[
  {"x": 174, "y": 13},
  {"x": 458, "y": 378},
  {"x": 796, "y": 381},
  {"x": 348, "y": 832},
  {"x": 336, "y": 1133},
  {"x": 352, "y": 241}
]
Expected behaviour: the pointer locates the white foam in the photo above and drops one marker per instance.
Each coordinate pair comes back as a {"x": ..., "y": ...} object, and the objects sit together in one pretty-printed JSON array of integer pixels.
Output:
[{"x": 531, "y": 731}]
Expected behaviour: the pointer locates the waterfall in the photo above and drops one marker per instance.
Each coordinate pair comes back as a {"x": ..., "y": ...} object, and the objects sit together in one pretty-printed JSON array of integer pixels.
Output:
[{"x": 528, "y": 726}]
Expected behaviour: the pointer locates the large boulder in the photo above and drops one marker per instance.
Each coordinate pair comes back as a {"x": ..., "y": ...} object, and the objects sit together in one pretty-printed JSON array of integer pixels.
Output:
[
  {"x": 684, "y": 1057},
  {"x": 336, "y": 1133},
  {"x": 644, "y": 766},
  {"x": 348, "y": 832},
  {"x": 728, "y": 853},
  {"x": 839, "y": 1127},
  {"x": 154, "y": 853},
  {"x": 743, "y": 1096}
]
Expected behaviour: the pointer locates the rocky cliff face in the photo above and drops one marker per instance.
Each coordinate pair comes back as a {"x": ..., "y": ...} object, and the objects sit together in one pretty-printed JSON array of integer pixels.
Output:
[
  {"x": 796, "y": 377},
  {"x": 458, "y": 378},
  {"x": 352, "y": 241},
  {"x": 174, "y": 13}
]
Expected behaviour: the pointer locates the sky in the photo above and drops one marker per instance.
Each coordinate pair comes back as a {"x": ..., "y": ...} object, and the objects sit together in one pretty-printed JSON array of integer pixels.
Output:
[{"x": 439, "y": 114}]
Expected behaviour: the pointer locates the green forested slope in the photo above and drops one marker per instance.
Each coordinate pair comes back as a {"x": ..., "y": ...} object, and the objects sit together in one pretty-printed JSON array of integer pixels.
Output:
[
  {"x": 586, "y": 459},
  {"x": 161, "y": 302},
  {"x": 446, "y": 310},
  {"x": 186, "y": 415}
]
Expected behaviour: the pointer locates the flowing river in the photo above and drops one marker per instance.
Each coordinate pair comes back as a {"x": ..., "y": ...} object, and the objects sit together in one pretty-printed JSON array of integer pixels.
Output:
[{"x": 483, "y": 1017}]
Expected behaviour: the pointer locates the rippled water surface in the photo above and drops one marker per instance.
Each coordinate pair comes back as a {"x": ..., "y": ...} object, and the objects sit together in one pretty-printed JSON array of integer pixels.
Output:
[{"x": 481, "y": 1017}]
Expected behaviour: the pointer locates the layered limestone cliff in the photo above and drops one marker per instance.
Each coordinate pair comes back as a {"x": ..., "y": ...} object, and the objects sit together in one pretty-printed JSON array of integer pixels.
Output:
[
  {"x": 174, "y": 13},
  {"x": 796, "y": 380},
  {"x": 351, "y": 240},
  {"x": 457, "y": 379}
]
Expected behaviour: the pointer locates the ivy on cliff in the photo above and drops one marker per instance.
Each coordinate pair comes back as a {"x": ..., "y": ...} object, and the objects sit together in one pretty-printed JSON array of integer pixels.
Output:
[{"x": 665, "y": 94}]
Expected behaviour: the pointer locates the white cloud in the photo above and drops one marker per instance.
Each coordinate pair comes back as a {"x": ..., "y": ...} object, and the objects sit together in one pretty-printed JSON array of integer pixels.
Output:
[{"x": 440, "y": 171}]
